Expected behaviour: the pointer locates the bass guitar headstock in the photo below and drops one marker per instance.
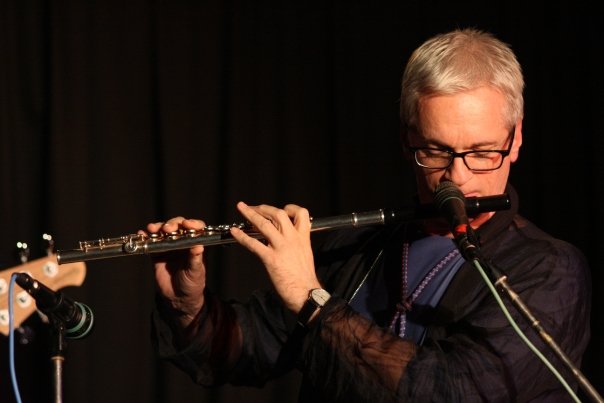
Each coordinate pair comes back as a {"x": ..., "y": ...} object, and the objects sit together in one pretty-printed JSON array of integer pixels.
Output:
[{"x": 47, "y": 271}]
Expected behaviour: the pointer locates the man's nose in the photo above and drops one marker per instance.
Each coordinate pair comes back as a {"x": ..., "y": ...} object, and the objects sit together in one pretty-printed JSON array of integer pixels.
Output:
[{"x": 458, "y": 172}]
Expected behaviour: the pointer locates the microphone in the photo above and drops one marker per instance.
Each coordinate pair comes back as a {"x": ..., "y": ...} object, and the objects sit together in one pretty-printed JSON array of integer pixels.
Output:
[
  {"x": 77, "y": 317},
  {"x": 451, "y": 203}
]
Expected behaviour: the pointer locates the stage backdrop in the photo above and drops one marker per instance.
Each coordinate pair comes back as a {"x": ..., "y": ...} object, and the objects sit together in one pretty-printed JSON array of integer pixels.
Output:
[{"x": 114, "y": 114}]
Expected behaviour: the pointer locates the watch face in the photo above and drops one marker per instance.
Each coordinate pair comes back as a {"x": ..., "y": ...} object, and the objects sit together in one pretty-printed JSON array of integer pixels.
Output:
[{"x": 320, "y": 296}]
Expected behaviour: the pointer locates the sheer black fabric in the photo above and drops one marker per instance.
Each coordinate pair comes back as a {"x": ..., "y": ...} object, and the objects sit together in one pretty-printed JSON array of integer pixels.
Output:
[{"x": 471, "y": 353}]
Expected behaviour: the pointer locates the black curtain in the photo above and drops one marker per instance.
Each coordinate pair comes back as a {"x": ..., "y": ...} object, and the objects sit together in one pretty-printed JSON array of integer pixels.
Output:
[{"x": 116, "y": 114}]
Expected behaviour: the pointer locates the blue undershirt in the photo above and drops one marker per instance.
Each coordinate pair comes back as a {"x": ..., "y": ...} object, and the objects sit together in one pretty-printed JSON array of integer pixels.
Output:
[{"x": 424, "y": 255}]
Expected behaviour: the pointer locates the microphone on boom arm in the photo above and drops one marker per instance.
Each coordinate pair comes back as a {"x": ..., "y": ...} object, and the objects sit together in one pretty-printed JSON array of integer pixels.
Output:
[
  {"x": 451, "y": 203},
  {"x": 76, "y": 317}
]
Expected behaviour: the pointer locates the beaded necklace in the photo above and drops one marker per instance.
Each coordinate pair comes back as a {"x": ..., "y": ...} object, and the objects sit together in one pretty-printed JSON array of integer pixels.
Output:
[{"x": 399, "y": 322}]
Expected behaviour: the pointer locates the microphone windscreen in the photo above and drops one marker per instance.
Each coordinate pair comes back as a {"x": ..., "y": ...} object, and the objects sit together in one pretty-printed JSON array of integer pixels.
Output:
[{"x": 445, "y": 191}]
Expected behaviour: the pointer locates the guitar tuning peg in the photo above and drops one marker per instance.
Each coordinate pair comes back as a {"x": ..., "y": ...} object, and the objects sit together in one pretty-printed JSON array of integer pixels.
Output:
[
  {"x": 23, "y": 252},
  {"x": 50, "y": 244},
  {"x": 25, "y": 335}
]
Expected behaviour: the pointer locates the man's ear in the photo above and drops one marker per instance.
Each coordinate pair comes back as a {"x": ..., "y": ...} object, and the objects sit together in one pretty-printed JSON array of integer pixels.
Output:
[{"x": 515, "y": 151}]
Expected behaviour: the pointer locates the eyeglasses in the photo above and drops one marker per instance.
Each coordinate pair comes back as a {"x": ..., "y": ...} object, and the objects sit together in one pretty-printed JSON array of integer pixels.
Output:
[{"x": 475, "y": 160}]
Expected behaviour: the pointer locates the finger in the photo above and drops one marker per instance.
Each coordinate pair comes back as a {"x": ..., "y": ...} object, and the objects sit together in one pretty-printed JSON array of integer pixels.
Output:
[
  {"x": 154, "y": 227},
  {"x": 278, "y": 217},
  {"x": 177, "y": 223},
  {"x": 190, "y": 223},
  {"x": 263, "y": 217},
  {"x": 167, "y": 226},
  {"x": 172, "y": 224},
  {"x": 299, "y": 216},
  {"x": 251, "y": 244},
  {"x": 282, "y": 219},
  {"x": 196, "y": 252}
]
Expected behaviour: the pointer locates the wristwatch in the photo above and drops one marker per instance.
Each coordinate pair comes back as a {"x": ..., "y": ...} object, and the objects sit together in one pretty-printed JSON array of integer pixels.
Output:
[{"x": 317, "y": 297}]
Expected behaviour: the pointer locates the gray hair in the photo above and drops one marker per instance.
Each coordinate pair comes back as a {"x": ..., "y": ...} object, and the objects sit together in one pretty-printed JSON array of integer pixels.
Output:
[{"x": 458, "y": 61}]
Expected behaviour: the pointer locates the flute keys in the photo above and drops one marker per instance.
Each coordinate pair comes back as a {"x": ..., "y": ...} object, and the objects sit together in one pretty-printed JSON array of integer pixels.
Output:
[
  {"x": 172, "y": 234},
  {"x": 190, "y": 232},
  {"x": 104, "y": 243},
  {"x": 225, "y": 228},
  {"x": 130, "y": 246}
]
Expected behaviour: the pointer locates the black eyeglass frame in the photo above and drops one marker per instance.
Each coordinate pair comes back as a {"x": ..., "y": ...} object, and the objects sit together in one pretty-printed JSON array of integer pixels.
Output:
[{"x": 462, "y": 155}]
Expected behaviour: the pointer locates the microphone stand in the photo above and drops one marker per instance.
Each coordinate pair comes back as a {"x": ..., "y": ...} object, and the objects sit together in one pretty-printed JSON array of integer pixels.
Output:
[
  {"x": 68, "y": 319},
  {"x": 467, "y": 246},
  {"x": 57, "y": 358}
]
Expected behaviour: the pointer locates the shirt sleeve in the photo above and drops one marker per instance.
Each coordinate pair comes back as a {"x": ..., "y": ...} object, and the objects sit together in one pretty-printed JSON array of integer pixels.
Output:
[{"x": 214, "y": 351}]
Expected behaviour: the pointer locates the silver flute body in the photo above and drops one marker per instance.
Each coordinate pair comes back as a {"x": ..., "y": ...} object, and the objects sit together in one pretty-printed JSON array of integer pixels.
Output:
[{"x": 139, "y": 244}]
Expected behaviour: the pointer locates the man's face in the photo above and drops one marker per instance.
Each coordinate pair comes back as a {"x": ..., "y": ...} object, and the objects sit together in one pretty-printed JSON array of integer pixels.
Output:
[{"x": 466, "y": 121}]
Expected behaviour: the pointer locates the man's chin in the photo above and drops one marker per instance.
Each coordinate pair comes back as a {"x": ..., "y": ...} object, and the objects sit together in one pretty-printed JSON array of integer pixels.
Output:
[
  {"x": 439, "y": 226},
  {"x": 480, "y": 219}
]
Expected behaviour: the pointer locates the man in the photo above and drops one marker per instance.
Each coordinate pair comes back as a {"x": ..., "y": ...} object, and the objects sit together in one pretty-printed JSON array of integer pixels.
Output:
[{"x": 395, "y": 313}]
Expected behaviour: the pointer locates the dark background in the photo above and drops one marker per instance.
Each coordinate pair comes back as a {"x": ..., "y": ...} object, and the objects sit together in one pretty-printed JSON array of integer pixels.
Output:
[{"x": 115, "y": 114}]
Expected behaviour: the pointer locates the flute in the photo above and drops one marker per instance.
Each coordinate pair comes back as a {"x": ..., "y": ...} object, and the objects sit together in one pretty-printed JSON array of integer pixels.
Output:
[{"x": 139, "y": 244}]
